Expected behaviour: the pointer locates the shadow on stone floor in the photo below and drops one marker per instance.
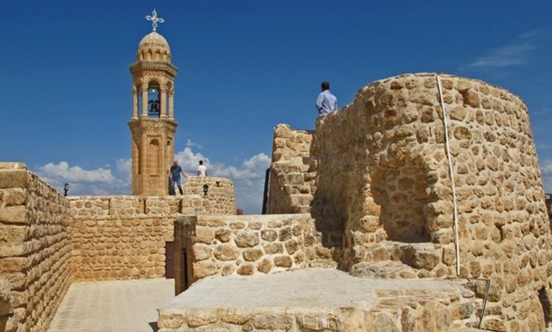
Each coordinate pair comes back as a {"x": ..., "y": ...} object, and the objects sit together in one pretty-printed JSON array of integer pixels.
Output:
[{"x": 153, "y": 326}]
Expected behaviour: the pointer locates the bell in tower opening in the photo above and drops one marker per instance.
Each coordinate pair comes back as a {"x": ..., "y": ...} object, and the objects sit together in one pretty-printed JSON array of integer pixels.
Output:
[
  {"x": 153, "y": 101},
  {"x": 152, "y": 124}
]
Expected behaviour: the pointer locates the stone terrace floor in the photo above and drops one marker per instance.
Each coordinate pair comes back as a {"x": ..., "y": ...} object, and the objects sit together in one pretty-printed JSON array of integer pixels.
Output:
[
  {"x": 131, "y": 306},
  {"x": 113, "y": 306}
]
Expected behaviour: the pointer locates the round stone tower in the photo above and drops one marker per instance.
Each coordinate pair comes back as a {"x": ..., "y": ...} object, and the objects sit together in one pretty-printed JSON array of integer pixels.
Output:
[
  {"x": 152, "y": 124},
  {"x": 440, "y": 174}
]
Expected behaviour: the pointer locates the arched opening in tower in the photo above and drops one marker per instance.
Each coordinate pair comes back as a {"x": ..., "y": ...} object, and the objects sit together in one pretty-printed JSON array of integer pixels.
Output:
[
  {"x": 154, "y": 100},
  {"x": 153, "y": 157},
  {"x": 402, "y": 194}
]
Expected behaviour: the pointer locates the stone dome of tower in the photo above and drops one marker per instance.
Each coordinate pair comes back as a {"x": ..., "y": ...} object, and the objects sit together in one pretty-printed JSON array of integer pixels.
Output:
[{"x": 154, "y": 47}]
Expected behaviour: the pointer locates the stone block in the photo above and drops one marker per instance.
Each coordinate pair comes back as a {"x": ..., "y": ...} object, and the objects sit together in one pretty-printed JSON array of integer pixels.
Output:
[
  {"x": 237, "y": 225},
  {"x": 16, "y": 196},
  {"x": 201, "y": 320},
  {"x": 210, "y": 222},
  {"x": 201, "y": 252},
  {"x": 204, "y": 235},
  {"x": 425, "y": 260},
  {"x": 247, "y": 239},
  {"x": 272, "y": 322},
  {"x": 284, "y": 234},
  {"x": 283, "y": 261},
  {"x": 13, "y": 179},
  {"x": 14, "y": 214},
  {"x": 12, "y": 234},
  {"x": 204, "y": 269},
  {"x": 264, "y": 266},
  {"x": 170, "y": 320},
  {"x": 246, "y": 270},
  {"x": 228, "y": 269},
  {"x": 291, "y": 246},
  {"x": 322, "y": 322},
  {"x": 380, "y": 322},
  {"x": 274, "y": 248},
  {"x": 252, "y": 255},
  {"x": 269, "y": 235},
  {"x": 13, "y": 264},
  {"x": 226, "y": 252}
]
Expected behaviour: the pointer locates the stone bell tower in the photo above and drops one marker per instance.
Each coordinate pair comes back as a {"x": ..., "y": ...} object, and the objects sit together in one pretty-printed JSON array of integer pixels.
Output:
[{"x": 152, "y": 124}]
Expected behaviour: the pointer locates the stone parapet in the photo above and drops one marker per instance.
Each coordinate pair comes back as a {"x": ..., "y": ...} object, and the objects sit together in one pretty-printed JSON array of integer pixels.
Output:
[
  {"x": 219, "y": 199},
  {"x": 246, "y": 245},
  {"x": 35, "y": 247}
]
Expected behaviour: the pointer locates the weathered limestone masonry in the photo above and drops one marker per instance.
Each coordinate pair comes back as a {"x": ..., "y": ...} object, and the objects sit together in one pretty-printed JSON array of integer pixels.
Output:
[
  {"x": 124, "y": 237},
  {"x": 245, "y": 245},
  {"x": 291, "y": 174},
  {"x": 383, "y": 180},
  {"x": 35, "y": 249},
  {"x": 6, "y": 305}
]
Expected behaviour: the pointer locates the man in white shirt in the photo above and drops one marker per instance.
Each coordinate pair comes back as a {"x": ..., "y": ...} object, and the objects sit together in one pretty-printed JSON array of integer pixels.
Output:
[
  {"x": 326, "y": 102},
  {"x": 202, "y": 169}
]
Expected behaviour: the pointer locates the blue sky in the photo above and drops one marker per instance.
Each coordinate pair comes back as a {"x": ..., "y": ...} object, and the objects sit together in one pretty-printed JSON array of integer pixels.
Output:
[{"x": 244, "y": 67}]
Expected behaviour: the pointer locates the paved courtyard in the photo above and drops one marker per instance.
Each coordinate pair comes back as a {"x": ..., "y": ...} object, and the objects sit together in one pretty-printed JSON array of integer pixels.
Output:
[{"x": 113, "y": 306}]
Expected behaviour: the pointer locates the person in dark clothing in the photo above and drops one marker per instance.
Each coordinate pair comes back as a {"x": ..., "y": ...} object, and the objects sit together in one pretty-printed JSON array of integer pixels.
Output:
[{"x": 175, "y": 172}]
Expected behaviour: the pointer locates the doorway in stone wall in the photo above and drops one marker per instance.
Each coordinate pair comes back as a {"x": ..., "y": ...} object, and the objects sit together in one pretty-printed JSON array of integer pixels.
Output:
[
  {"x": 402, "y": 194},
  {"x": 169, "y": 260}
]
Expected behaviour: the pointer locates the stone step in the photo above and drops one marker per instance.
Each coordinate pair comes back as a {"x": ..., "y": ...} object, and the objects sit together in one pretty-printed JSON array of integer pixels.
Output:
[{"x": 384, "y": 270}]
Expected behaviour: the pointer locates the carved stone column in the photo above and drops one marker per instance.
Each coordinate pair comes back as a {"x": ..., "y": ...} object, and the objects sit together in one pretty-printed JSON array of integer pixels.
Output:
[
  {"x": 171, "y": 104},
  {"x": 134, "y": 103},
  {"x": 144, "y": 101},
  {"x": 163, "y": 103}
]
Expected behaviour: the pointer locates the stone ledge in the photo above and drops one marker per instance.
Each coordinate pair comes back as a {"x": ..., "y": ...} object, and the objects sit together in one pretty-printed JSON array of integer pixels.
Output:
[
  {"x": 317, "y": 300},
  {"x": 16, "y": 165}
]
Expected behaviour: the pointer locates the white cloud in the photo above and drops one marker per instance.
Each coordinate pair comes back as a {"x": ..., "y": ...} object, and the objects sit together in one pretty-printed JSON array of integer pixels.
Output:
[
  {"x": 189, "y": 160},
  {"x": 124, "y": 167},
  {"x": 248, "y": 179},
  {"x": 546, "y": 172},
  {"x": 76, "y": 173},
  {"x": 83, "y": 182},
  {"x": 514, "y": 54},
  {"x": 190, "y": 143}
]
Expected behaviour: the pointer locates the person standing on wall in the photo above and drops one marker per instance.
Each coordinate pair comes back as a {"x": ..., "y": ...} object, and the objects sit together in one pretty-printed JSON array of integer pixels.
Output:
[
  {"x": 176, "y": 170},
  {"x": 202, "y": 169},
  {"x": 326, "y": 101}
]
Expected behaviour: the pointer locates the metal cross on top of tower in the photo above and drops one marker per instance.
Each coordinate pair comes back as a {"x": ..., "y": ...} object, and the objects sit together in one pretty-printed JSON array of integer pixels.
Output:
[{"x": 154, "y": 19}]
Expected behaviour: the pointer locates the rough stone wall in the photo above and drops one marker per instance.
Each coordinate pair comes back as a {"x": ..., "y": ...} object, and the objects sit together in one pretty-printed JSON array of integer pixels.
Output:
[
  {"x": 384, "y": 190},
  {"x": 8, "y": 323},
  {"x": 246, "y": 245},
  {"x": 35, "y": 248},
  {"x": 125, "y": 237},
  {"x": 384, "y": 183},
  {"x": 291, "y": 173},
  {"x": 121, "y": 245},
  {"x": 220, "y": 197}
]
